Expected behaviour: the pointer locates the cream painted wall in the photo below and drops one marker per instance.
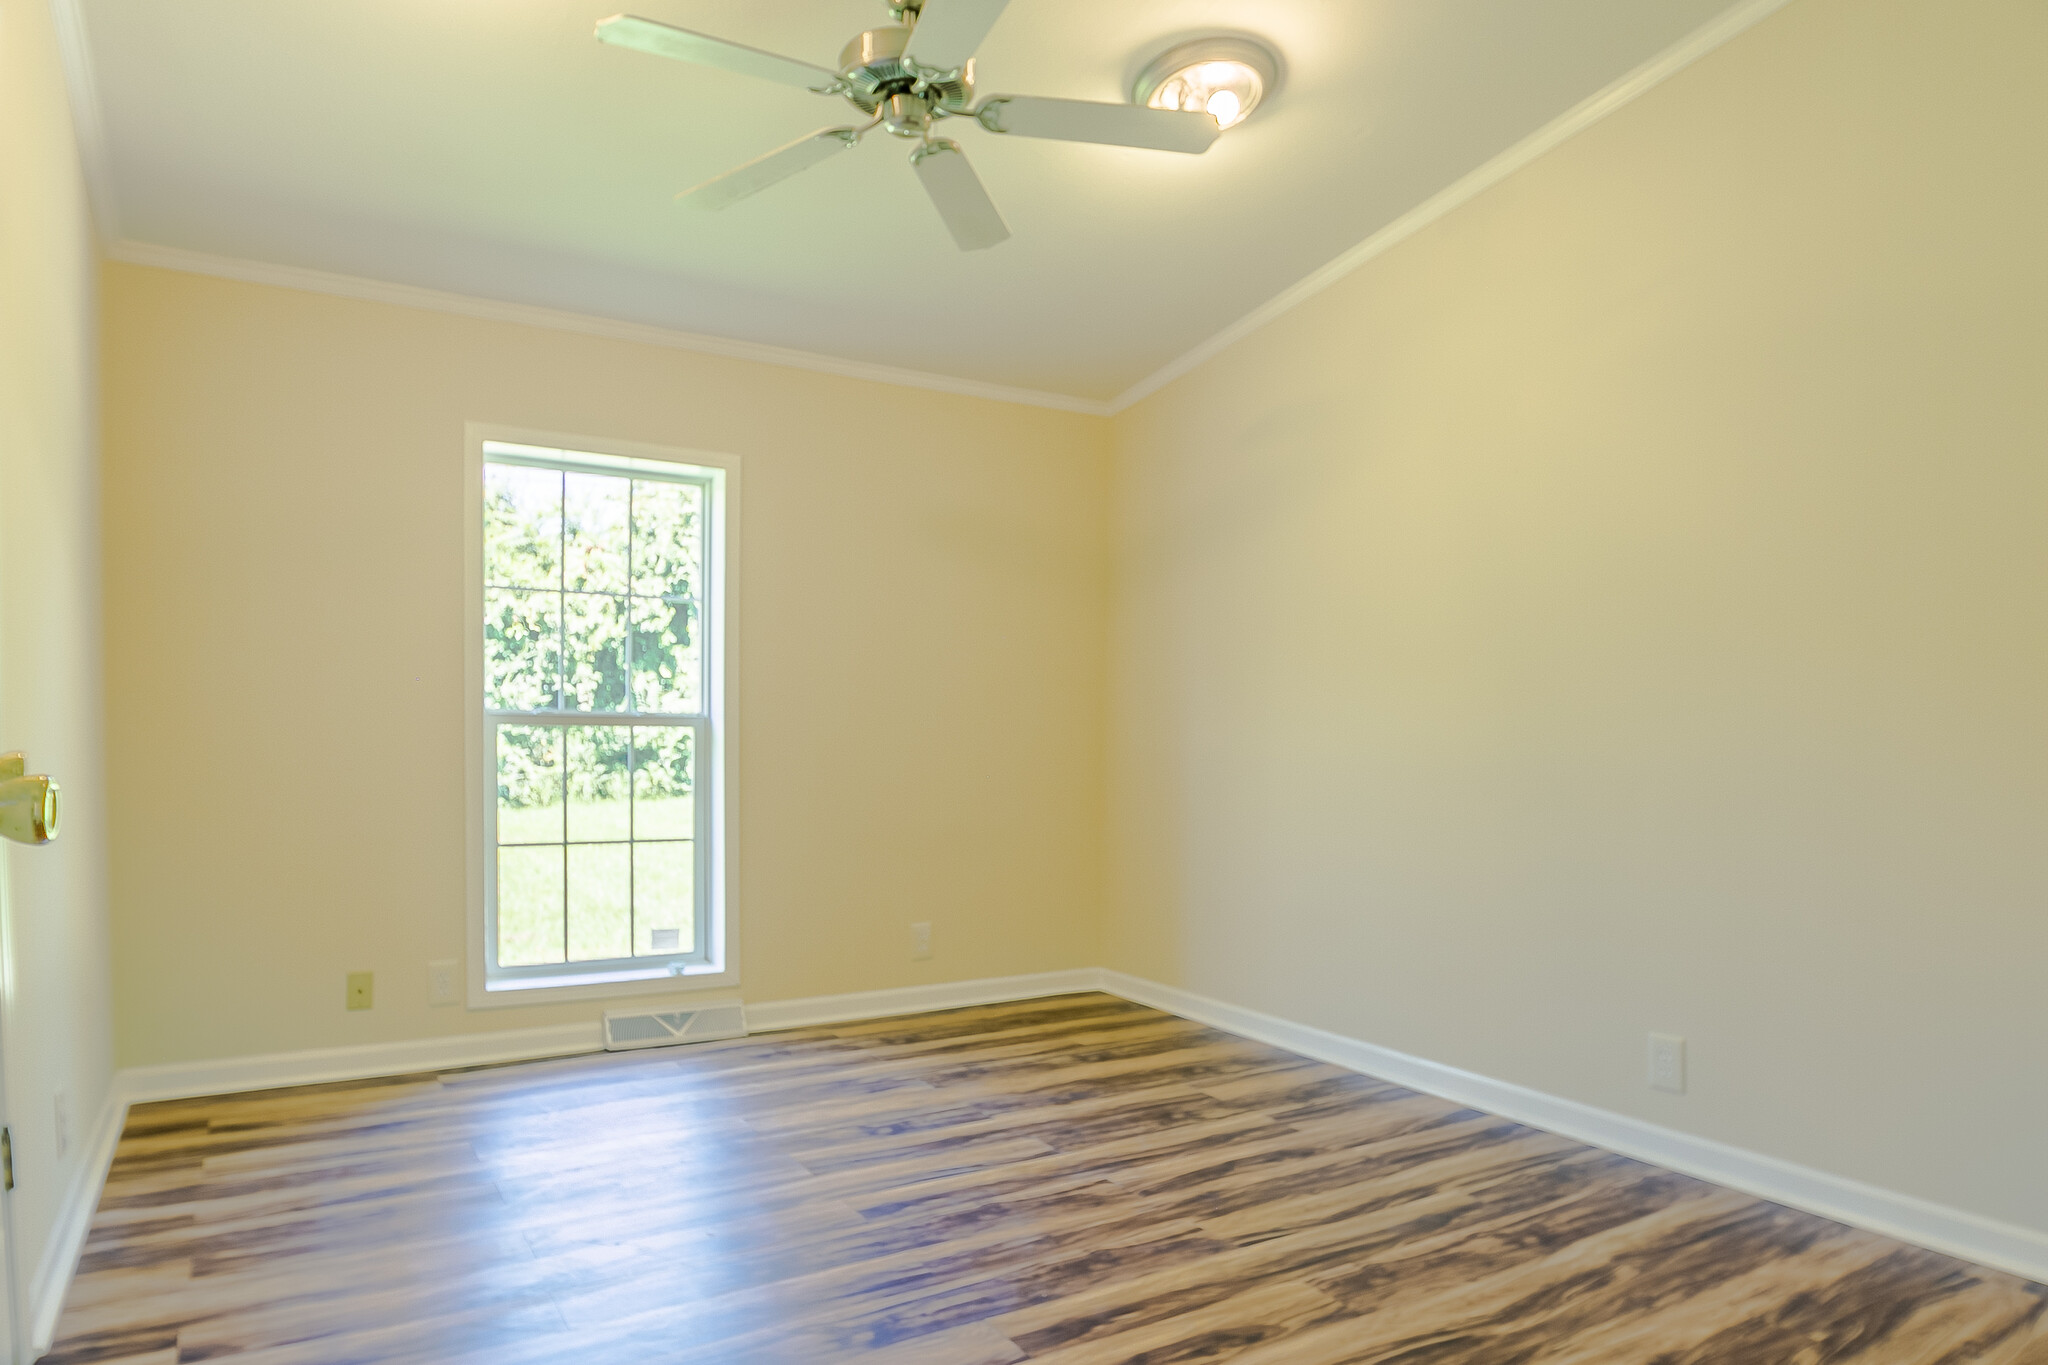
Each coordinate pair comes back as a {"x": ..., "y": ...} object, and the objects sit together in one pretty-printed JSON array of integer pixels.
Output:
[
  {"x": 54, "y": 1016},
  {"x": 1624, "y": 607},
  {"x": 922, "y": 634}
]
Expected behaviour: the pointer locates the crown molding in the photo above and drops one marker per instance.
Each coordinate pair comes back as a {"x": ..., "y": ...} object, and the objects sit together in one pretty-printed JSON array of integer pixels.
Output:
[
  {"x": 587, "y": 324},
  {"x": 1573, "y": 121},
  {"x": 1580, "y": 117},
  {"x": 88, "y": 124}
]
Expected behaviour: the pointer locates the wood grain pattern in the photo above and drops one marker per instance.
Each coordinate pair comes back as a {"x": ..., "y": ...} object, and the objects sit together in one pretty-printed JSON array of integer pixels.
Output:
[{"x": 1079, "y": 1181}]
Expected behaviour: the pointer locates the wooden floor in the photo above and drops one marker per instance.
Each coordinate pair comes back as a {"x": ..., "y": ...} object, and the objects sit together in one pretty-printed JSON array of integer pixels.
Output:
[{"x": 1075, "y": 1180}]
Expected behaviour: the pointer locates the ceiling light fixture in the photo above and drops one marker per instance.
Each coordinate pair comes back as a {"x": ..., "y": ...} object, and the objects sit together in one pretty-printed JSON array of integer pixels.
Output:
[
  {"x": 1224, "y": 77},
  {"x": 907, "y": 79}
]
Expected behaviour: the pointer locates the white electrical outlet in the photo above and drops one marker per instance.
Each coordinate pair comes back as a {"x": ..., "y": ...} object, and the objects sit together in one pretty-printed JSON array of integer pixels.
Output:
[
  {"x": 920, "y": 941},
  {"x": 441, "y": 982},
  {"x": 1667, "y": 1063},
  {"x": 63, "y": 1118}
]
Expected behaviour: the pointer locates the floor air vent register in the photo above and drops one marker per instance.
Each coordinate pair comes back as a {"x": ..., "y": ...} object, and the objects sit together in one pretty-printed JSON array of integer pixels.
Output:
[{"x": 627, "y": 1029}]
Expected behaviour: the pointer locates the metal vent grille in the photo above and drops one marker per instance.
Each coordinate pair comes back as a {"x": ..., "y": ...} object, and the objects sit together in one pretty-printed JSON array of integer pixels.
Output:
[{"x": 624, "y": 1029}]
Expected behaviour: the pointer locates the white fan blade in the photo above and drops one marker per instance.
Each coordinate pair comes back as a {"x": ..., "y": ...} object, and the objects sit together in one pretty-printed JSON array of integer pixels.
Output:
[
  {"x": 1119, "y": 125},
  {"x": 956, "y": 192},
  {"x": 949, "y": 31},
  {"x": 664, "y": 40},
  {"x": 779, "y": 165}
]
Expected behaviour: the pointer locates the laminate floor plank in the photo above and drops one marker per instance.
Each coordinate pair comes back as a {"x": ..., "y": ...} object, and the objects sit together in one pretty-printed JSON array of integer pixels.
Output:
[
  {"x": 1076, "y": 1181},
  {"x": 1265, "y": 1314},
  {"x": 1336, "y": 1248},
  {"x": 2023, "y": 1348}
]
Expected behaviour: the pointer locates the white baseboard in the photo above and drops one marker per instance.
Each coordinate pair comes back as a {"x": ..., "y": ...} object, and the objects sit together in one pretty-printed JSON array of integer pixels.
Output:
[
  {"x": 1968, "y": 1236},
  {"x": 2021, "y": 1251},
  {"x": 268, "y": 1071},
  {"x": 946, "y": 995},
  {"x": 74, "y": 1220}
]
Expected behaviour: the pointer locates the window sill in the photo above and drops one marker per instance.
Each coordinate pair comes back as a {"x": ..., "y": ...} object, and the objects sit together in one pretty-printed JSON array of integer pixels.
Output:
[{"x": 569, "y": 987}]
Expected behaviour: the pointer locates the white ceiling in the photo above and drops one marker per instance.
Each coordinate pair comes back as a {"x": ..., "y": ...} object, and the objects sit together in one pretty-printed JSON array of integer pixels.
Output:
[{"x": 492, "y": 148}]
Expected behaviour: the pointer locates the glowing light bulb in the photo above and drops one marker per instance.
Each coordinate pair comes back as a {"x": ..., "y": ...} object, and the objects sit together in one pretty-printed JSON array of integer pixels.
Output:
[{"x": 1222, "y": 77}]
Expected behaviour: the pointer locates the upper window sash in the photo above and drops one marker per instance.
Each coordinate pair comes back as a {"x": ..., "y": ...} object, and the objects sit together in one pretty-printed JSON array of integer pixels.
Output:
[
  {"x": 542, "y": 457},
  {"x": 610, "y": 623}
]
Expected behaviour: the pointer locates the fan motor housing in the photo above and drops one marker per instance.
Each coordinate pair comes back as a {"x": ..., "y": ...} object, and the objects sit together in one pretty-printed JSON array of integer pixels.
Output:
[{"x": 873, "y": 68}]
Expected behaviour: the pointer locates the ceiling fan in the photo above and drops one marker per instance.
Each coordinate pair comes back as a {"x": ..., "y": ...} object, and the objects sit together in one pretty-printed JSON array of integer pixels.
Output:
[{"x": 907, "y": 78}]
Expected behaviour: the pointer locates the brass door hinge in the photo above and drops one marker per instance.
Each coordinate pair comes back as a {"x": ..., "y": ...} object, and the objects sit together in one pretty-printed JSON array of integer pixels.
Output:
[{"x": 7, "y": 1156}]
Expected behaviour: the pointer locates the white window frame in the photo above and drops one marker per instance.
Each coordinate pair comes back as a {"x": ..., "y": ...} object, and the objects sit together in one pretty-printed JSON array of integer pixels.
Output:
[{"x": 713, "y": 963}]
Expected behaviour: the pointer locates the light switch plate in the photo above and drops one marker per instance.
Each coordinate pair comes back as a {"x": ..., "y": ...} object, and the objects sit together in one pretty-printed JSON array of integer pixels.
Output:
[
  {"x": 441, "y": 977},
  {"x": 1667, "y": 1063}
]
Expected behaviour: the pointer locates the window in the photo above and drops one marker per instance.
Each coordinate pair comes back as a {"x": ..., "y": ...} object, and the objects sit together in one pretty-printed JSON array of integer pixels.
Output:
[{"x": 600, "y": 637}]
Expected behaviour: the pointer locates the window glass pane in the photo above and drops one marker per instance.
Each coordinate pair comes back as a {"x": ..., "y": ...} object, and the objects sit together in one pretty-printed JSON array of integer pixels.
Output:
[
  {"x": 595, "y": 674},
  {"x": 665, "y": 657},
  {"x": 599, "y": 807},
  {"x": 522, "y": 648},
  {"x": 600, "y": 902},
  {"x": 529, "y": 784},
  {"x": 529, "y": 905},
  {"x": 595, "y": 533},
  {"x": 662, "y": 877},
  {"x": 667, "y": 539},
  {"x": 662, "y": 782},
  {"x": 522, "y": 526},
  {"x": 594, "y": 602}
]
